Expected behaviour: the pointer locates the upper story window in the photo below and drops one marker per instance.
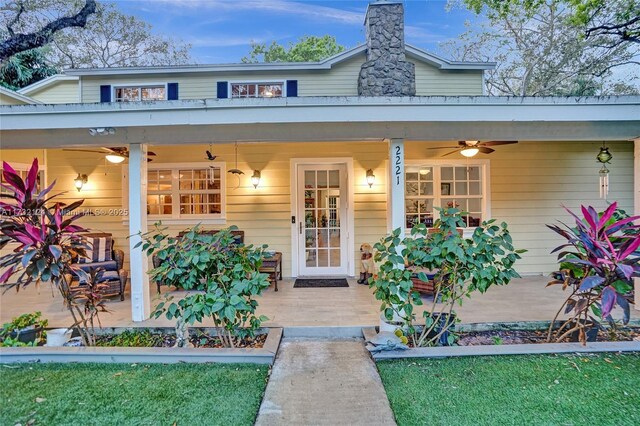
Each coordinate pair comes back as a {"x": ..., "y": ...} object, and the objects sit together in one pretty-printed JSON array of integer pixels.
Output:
[
  {"x": 446, "y": 185},
  {"x": 184, "y": 191},
  {"x": 257, "y": 90},
  {"x": 140, "y": 93}
]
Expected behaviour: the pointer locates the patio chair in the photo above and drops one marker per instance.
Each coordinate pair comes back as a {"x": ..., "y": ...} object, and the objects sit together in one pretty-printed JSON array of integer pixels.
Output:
[{"x": 102, "y": 255}]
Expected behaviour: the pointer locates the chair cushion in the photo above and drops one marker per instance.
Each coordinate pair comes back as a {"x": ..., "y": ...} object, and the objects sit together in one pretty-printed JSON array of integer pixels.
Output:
[
  {"x": 99, "y": 248},
  {"x": 109, "y": 265},
  {"x": 106, "y": 276}
]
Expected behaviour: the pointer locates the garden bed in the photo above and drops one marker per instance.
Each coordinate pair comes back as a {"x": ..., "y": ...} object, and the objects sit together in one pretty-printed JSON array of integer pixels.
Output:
[
  {"x": 155, "y": 347},
  {"x": 513, "y": 342}
]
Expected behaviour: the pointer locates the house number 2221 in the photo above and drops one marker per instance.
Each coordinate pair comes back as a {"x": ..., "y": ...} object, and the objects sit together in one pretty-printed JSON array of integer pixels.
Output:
[{"x": 398, "y": 164}]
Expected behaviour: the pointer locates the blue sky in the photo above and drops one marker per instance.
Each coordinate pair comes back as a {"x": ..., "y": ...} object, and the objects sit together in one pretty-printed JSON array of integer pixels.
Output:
[{"x": 221, "y": 30}]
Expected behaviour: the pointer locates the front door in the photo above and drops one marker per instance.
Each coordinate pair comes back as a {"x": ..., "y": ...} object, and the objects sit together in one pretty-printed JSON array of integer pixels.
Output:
[{"x": 322, "y": 224}]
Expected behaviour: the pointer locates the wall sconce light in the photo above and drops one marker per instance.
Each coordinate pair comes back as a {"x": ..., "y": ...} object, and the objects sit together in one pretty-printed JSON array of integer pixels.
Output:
[
  {"x": 80, "y": 181},
  {"x": 371, "y": 178},
  {"x": 255, "y": 178}
]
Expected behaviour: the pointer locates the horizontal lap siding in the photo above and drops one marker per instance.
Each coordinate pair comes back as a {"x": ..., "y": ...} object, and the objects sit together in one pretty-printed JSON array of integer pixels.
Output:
[
  {"x": 63, "y": 92},
  {"x": 531, "y": 181},
  {"x": 7, "y": 100},
  {"x": 431, "y": 81}
]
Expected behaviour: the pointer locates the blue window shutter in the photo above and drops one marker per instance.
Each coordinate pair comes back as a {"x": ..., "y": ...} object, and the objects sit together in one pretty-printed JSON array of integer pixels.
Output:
[
  {"x": 292, "y": 88},
  {"x": 172, "y": 91},
  {"x": 105, "y": 93},
  {"x": 223, "y": 91}
]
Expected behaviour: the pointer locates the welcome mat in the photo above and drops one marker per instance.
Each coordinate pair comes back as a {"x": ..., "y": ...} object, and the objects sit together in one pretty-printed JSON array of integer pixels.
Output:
[{"x": 320, "y": 282}]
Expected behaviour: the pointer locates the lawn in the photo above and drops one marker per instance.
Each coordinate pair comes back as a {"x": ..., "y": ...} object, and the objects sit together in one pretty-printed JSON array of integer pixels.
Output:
[
  {"x": 131, "y": 394},
  {"x": 515, "y": 390}
]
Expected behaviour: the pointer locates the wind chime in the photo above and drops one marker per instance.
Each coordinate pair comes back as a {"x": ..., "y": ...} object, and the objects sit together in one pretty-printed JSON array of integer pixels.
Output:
[{"x": 604, "y": 157}]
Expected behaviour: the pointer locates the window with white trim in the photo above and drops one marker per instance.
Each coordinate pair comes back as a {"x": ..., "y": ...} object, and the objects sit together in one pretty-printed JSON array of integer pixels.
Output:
[
  {"x": 257, "y": 90},
  {"x": 449, "y": 185},
  {"x": 140, "y": 93},
  {"x": 23, "y": 171},
  {"x": 186, "y": 191}
]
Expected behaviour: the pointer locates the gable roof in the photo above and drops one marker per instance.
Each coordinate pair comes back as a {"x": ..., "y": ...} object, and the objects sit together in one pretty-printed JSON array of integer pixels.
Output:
[
  {"x": 18, "y": 96},
  {"x": 325, "y": 64},
  {"x": 38, "y": 85}
]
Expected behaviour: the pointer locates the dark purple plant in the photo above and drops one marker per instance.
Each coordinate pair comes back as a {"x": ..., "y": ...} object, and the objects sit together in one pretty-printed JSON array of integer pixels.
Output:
[
  {"x": 44, "y": 243},
  {"x": 598, "y": 263}
]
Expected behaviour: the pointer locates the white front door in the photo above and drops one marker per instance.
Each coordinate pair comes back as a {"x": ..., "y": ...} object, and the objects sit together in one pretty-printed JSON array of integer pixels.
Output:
[{"x": 322, "y": 219}]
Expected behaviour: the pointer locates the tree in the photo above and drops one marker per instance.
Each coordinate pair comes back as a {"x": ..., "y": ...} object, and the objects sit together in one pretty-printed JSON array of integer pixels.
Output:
[
  {"x": 109, "y": 38},
  {"x": 20, "y": 42},
  {"x": 542, "y": 53},
  {"x": 619, "y": 18},
  {"x": 25, "y": 68},
  {"x": 307, "y": 49}
]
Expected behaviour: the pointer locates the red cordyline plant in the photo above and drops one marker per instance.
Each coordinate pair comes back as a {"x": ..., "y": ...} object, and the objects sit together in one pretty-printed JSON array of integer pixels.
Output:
[
  {"x": 43, "y": 239},
  {"x": 598, "y": 264}
]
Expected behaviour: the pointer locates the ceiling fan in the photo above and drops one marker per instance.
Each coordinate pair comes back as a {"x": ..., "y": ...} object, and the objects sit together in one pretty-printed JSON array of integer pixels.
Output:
[
  {"x": 114, "y": 155},
  {"x": 471, "y": 148}
]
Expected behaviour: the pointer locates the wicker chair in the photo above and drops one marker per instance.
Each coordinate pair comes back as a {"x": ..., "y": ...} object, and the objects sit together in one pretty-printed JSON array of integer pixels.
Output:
[{"x": 104, "y": 256}]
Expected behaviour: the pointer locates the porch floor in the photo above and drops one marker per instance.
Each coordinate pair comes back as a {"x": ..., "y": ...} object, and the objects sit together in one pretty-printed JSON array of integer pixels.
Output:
[{"x": 525, "y": 299}]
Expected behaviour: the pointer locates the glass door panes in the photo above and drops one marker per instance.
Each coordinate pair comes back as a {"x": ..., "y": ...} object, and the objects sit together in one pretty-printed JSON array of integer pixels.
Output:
[
  {"x": 322, "y": 219},
  {"x": 461, "y": 188},
  {"x": 419, "y": 196}
]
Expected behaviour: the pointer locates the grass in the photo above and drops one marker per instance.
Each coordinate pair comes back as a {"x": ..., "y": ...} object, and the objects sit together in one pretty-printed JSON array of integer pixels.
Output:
[
  {"x": 131, "y": 394},
  {"x": 515, "y": 390}
]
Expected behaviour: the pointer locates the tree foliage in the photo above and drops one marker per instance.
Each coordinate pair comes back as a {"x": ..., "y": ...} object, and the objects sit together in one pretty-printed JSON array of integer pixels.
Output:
[
  {"x": 109, "y": 39},
  {"x": 25, "y": 68},
  {"x": 540, "y": 52},
  {"x": 618, "y": 18},
  {"x": 20, "y": 37},
  {"x": 307, "y": 49}
]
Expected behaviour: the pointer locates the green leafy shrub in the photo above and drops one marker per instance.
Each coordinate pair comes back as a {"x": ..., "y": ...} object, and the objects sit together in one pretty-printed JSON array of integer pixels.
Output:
[
  {"x": 461, "y": 266},
  {"x": 25, "y": 321},
  {"x": 221, "y": 276},
  {"x": 133, "y": 339}
]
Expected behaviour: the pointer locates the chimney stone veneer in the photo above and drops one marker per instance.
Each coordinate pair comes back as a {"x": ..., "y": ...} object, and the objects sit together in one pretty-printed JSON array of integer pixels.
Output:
[{"x": 386, "y": 72}]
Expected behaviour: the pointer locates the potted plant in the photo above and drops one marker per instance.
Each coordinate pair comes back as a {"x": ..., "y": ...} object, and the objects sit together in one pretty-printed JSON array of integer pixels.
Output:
[
  {"x": 461, "y": 266},
  {"x": 27, "y": 329},
  {"x": 597, "y": 265},
  {"x": 44, "y": 243},
  {"x": 221, "y": 277}
]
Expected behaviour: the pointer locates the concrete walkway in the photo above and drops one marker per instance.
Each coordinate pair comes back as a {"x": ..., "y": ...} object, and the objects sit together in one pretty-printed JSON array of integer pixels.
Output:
[{"x": 324, "y": 382}]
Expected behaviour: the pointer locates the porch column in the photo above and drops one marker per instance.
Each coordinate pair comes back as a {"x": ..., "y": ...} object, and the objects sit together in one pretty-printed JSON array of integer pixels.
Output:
[
  {"x": 140, "y": 301},
  {"x": 636, "y": 198},
  {"x": 396, "y": 184}
]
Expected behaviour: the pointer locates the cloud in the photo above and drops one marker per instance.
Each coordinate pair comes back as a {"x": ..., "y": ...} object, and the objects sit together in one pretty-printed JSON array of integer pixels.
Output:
[
  {"x": 420, "y": 35},
  {"x": 228, "y": 41},
  {"x": 281, "y": 7}
]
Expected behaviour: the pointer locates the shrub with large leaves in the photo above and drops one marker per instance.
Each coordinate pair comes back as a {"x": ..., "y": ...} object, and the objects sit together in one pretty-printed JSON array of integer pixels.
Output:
[
  {"x": 44, "y": 240},
  {"x": 461, "y": 266},
  {"x": 221, "y": 275},
  {"x": 597, "y": 263}
]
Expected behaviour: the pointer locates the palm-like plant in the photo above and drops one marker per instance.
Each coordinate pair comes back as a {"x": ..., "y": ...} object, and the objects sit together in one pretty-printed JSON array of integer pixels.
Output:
[
  {"x": 597, "y": 263},
  {"x": 44, "y": 239}
]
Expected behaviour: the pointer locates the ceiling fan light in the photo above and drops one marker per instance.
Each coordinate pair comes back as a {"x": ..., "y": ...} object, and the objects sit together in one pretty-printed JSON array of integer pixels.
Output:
[
  {"x": 469, "y": 152},
  {"x": 115, "y": 158}
]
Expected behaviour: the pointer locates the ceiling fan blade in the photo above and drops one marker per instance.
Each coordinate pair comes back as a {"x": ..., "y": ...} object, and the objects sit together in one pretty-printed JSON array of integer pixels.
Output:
[
  {"x": 84, "y": 150},
  {"x": 452, "y": 152},
  {"x": 485, "y": 150},
  {"x": 443, "y": 147},
  {"x": 495, "y": 143},
  {"x": 151, "y": 153}
]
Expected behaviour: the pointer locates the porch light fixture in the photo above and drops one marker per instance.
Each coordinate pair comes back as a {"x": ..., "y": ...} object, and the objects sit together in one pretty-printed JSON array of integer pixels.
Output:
[
  {"x": 424, "y": 172},
  {"x": 469, "y": 152},
  {"x": 255, "y": 178},
  {"x": 371, "y": 178},
  {"x": 80, "y": 181},
  {"x": 102, "y": 131},
  {"x": 115, "y": 158}
]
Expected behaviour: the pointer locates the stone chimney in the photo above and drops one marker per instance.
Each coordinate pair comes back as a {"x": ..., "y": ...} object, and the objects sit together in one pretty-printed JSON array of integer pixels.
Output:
[{"x": 386, "y": 72}]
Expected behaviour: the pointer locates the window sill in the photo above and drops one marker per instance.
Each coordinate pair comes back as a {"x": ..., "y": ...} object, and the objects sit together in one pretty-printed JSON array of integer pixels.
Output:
[{"x": 184, "y": 221}]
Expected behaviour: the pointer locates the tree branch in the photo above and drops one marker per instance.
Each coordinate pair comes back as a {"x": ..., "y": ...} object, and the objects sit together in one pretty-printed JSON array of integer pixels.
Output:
[
  {"x": 21, "y": 42},
  {"x": 15, "y": 19}
]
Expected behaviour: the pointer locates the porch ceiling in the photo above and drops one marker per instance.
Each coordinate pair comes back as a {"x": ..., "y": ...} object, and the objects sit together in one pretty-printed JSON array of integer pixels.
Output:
[{"x": 323, "y": 119}]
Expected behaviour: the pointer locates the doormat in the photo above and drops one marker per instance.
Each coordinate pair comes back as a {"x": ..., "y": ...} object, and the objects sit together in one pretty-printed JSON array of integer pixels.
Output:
[{"x": 320, "y": 282}]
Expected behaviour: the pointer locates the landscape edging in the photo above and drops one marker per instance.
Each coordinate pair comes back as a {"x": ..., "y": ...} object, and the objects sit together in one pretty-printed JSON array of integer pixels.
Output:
[
  {"x": 264, "y": 355},
  {"x": 492, "y": 350}
]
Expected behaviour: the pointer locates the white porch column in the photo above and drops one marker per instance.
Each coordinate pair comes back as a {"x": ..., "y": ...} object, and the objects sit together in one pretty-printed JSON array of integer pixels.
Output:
[
  {"x": 636, "y": 197},
  {"x": 396, "y": 185},
  {"x": 140, "y": 301}
]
